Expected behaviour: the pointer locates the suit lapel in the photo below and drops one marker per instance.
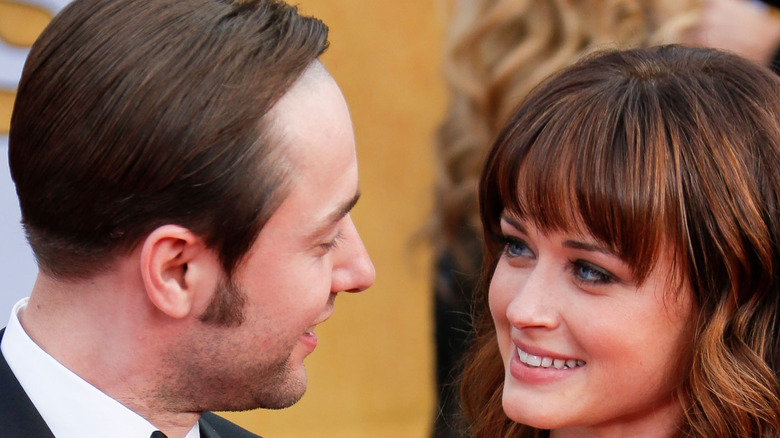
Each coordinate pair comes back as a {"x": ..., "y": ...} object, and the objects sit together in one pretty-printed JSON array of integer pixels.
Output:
[
  {"x": 214, "y": 426},
  {"x": 206, "y": 430},
  {"x": 18, "y": 416}
]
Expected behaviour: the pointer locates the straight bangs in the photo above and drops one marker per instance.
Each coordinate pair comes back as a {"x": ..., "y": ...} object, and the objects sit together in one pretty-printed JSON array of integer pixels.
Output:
[{"x": 592, "y": 157}]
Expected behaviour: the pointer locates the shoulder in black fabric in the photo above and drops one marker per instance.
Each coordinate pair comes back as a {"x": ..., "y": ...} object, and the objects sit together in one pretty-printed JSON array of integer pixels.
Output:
[
  {"x": 214, "y": 426},
  {"x": 18, "y": 416}
]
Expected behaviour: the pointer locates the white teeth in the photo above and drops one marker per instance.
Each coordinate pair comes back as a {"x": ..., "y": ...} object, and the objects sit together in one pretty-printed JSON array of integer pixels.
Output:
[
  {"x": 522, "y": 355},
  {"x": 548, "y": 362}
]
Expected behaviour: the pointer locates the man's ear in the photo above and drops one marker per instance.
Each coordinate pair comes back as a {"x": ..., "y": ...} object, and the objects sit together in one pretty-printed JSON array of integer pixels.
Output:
[{"x": 177, "y": 270}]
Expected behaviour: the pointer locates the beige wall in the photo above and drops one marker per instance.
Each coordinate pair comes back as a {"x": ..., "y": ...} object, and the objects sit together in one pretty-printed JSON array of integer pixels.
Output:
[{"x": 372, "y": 374}]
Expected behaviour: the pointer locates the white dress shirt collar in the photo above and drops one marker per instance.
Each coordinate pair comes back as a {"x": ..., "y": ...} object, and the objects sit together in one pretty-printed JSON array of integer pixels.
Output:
[{"x": 71, "y": 406}]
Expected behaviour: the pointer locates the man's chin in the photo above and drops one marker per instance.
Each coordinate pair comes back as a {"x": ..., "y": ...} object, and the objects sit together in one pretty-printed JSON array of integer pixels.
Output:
[
  {"x": 284, "y": 386},
  {"x": 281, "y": 389},
  {"x": 288, "y": 392}
]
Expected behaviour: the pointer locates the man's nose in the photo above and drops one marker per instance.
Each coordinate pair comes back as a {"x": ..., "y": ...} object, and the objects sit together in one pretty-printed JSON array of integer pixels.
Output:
[{"x": 355, "y": 272}]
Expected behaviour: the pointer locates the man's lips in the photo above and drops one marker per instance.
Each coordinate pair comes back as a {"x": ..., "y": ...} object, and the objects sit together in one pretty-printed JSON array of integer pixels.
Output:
[
  {"x": 309, "y": 337},
  {"x": 324, "y": 318}
]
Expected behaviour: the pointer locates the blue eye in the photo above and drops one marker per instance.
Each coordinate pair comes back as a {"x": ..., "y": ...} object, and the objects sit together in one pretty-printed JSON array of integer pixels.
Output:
[
  {"x": 514, "y": 247},
  {"x": 589, "y": 273}
]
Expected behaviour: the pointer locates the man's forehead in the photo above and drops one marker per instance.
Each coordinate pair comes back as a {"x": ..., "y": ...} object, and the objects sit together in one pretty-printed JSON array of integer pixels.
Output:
[
  {"x": 293, "y": 116},
  {"x": 312, "y": 123},
  {"x": 312, "y": 77}
]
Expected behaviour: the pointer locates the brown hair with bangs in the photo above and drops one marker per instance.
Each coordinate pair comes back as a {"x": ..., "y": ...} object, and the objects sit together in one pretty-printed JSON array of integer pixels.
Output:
[{"x": 649, "y": 147}]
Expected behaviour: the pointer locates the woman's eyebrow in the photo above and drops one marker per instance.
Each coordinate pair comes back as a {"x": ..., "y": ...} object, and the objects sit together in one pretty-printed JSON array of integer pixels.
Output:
[
  {"x": 570, "y": 243},
  {"x": 513, "y": 222},
  {"x": 575, "y": 244}
]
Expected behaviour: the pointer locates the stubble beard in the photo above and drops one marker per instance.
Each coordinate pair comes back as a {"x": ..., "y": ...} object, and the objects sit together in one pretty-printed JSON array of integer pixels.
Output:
[{"x": 207, "y": 372}]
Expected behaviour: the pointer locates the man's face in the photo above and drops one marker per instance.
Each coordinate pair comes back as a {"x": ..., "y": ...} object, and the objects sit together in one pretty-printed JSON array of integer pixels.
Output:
[{"x": 308, "y": 251}]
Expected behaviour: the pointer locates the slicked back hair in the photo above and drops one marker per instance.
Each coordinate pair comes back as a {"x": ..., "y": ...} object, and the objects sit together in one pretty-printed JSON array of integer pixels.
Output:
[{"x": 132, "y": 114}]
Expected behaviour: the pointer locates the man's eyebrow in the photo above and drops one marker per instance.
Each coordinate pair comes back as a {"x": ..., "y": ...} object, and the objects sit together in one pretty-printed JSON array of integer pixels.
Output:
[{"x": 337, "y": 214}]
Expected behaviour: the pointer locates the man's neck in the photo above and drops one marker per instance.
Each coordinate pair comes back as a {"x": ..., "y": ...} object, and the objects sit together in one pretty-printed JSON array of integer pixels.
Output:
[{"x": 104, "y": 331}]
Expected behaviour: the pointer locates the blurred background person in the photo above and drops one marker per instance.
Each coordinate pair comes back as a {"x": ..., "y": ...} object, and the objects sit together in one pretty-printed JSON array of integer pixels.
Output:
[{"x": 748, "y": 28}]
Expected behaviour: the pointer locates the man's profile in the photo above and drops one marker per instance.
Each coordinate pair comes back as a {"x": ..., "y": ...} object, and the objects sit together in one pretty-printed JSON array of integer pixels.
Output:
[{"x": 185, "y": 171}]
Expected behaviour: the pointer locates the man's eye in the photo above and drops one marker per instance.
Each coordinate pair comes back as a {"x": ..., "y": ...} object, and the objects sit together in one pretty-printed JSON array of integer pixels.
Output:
[{"x": 333, "y": 243}]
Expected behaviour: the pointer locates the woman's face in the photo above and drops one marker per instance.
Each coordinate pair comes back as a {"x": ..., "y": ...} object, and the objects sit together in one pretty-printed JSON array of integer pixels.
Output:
[{"x": 585, "y": 348}]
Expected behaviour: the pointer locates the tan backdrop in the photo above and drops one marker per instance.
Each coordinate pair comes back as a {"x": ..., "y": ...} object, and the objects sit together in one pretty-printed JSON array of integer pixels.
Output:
[{"x": 372, "y": 374}]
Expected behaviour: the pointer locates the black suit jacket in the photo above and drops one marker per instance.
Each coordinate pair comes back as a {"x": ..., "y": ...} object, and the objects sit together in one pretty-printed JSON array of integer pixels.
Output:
[{"x": 20, "y": 419}]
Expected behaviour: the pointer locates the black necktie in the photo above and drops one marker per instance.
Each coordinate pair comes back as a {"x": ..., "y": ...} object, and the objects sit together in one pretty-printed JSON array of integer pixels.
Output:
[{"x": 158, "y": 434}]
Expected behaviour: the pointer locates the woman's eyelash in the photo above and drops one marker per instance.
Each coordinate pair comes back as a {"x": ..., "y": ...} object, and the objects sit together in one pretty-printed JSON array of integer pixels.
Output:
[
  {"x": 587, "y": 272},
  {"x": 583, "y": 271},
  {"x": 513, "y": 247}
]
